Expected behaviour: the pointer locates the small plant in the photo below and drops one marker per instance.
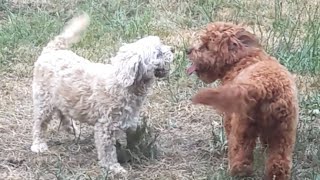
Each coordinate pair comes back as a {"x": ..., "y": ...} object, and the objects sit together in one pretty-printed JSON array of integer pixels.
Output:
[{"x": 141, "y": 145}]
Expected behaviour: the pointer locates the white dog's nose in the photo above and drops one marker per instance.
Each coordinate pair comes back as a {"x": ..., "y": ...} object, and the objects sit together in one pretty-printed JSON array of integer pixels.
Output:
[
  {"x": 172, "y": 49},
  {"x": 189, "y": 50}
]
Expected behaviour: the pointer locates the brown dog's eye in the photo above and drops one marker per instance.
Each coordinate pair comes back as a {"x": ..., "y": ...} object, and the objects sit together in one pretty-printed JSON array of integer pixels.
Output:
[{"x": 233, "y": 46}]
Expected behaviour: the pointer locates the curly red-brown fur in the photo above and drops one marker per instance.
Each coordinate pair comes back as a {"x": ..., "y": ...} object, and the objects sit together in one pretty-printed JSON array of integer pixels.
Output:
[{"x": 257, "y": 95}]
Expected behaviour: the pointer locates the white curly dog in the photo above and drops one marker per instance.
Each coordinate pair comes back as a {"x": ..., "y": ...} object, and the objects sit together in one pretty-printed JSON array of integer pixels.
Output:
[{"x": 108, "y": 96}]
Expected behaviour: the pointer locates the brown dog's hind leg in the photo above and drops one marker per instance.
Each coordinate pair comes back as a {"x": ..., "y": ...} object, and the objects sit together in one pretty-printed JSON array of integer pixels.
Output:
[
  {"x": 279, "y": 151},
  {"x": 241, "y": 143},
  {"x": 280, "y": 138}
]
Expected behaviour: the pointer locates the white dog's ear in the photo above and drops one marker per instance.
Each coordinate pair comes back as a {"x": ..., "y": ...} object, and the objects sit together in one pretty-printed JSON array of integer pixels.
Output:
[{"x": 129, "y": 71}]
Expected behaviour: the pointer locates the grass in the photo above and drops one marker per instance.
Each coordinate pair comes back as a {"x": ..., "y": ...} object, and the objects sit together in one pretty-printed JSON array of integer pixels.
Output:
[{"x": 189, "y": 147}]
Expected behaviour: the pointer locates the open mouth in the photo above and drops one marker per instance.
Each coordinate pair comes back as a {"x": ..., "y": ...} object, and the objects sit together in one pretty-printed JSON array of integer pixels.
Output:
[{"x": 191, "y": 69}]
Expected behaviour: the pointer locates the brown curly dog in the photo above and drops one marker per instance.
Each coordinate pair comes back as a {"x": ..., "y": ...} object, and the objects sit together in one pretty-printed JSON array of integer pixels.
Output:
[{"x": 257, "y": 96}]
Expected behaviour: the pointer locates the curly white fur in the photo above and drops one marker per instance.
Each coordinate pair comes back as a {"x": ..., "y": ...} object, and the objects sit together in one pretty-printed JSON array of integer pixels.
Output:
[{"x": 107, "y": 96}]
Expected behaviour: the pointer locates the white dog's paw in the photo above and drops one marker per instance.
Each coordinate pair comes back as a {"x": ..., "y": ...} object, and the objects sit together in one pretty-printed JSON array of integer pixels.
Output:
[
  {"x": 116, "y": 171},
  {"x": 39, "y": 147}
]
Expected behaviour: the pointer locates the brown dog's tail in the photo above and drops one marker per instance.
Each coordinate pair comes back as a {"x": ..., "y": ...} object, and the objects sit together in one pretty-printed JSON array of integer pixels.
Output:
[{"x": 228, "y": 98}]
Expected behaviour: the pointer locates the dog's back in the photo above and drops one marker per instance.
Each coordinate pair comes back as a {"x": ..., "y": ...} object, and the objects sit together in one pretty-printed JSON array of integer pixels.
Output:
[{"x": 63, "y": 75}]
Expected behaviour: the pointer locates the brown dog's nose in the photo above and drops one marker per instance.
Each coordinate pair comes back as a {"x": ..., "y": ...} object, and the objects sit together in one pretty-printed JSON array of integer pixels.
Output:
[{"x": 189, "y": 50}]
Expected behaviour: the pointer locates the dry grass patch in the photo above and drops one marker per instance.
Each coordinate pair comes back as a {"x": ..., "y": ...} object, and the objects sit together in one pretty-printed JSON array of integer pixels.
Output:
[{"x": 191, "y": 142}]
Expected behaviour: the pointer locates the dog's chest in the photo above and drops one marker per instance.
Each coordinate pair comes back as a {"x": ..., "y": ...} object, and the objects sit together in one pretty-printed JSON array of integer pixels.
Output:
[
  {"x": 131, "y": 106},
  {"x": 127, "y": 112}
]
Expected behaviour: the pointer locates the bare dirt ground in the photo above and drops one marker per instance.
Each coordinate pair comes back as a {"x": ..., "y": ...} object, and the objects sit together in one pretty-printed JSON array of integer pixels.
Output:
[
  {"x": 184, "y": 141},
  {"x": 190, "y": 145}
]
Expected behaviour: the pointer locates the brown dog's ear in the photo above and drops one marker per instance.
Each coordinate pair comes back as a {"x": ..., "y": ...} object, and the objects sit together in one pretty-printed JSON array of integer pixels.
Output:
[{"x": 247, "y": 39}]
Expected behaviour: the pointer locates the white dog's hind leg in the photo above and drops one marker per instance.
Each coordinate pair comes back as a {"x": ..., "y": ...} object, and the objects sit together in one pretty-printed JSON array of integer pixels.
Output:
[
  {"x": 68, "y": 124},
  {"x": 105, "y": 141},
  {"x": 42, "y": 116}
]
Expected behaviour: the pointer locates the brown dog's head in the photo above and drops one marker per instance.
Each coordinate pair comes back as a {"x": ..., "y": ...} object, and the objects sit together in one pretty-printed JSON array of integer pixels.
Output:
[{"x": 221, "y": 46}]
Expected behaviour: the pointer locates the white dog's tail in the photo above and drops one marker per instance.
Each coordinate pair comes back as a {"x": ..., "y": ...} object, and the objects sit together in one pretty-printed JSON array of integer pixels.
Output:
[{"x": 70, "y": 34}]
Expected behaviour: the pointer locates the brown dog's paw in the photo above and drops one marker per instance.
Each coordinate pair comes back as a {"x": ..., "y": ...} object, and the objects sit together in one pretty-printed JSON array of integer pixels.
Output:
[{"x": 241, "y": 170}]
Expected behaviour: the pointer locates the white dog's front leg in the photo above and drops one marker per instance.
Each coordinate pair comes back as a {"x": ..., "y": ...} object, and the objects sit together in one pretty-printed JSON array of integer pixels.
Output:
[
  {"x": 133, "y": 124},
  {"x": 105, "y": 140}
]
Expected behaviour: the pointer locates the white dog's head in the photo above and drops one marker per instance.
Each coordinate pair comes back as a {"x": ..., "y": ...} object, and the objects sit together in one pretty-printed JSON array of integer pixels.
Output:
[{"x": 142, "y": 61}]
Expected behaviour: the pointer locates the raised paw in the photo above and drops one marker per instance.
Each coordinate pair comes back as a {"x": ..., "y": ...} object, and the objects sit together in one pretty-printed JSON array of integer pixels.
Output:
[{"x": 39, "y": 147}]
